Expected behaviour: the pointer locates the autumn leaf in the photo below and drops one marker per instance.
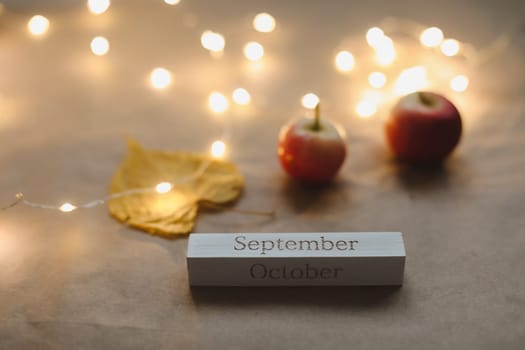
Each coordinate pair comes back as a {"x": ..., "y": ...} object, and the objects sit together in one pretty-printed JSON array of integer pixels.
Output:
[{"x": 196, "y": 179}]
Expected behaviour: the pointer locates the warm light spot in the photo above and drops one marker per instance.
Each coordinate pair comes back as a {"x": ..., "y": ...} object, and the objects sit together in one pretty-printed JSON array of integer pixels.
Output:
[
  {"x": 98, "y": 7},
  {"x": 264, "y": 23},
  {"x": 377, "y": 79},
  {"x": 431, "y": 37},
  {"x": 38, "y": 25},
  {"x": 172, "y": 2},
  {"x": 374, "y": 36},
  {"x": 344, "y": 61},
  {"x": 241, "y": 96},
  {"x": 212, "y": 41},
  {"x": 411, "y": 80},
  {"x": 160, "y": 78},
  {"x": 218, "y": 149},
  {"x": 459, "y": 83},
  {"x": 163, "y": 187},
  {"x": 385, "y": 51},
  {"x": 67, "y": 207},
  {"x": 254, "y": 51},
  {"x": 310, "y": 100},
  {"x": 218, "y": 102},
  {"x": 366, "y": 108},
  {"x": 100, "y": 46},
  {"x": 450, "y": 47}
]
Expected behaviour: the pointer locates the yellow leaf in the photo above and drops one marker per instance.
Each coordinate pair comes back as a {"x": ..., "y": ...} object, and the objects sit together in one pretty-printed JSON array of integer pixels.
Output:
[{"x": 195, "y": 178}]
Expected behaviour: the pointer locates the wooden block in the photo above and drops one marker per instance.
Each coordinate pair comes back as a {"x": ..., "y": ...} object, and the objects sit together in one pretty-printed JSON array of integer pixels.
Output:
[{"x": 296, "y": 259}]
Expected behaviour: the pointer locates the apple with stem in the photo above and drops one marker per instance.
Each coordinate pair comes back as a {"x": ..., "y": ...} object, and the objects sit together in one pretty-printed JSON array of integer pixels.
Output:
[
  {"x": 312, "y": 150},
  {"x": 423, "y": 127}
]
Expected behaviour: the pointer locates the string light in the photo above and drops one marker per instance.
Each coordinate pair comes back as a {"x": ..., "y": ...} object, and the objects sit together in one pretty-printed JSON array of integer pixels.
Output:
[
  {"x": 459, "y": 83},
  {"x": 385, "y": 51},
  {"x": 450, "y": 47},
  {"x": 366, "y": 108},
  {"x": 160, "y": 78},
  {"x": 212, "y": 41},
  {"x": 241, "y": 97},
  {"x": 431, "y": 37},
  {"x": 172, "y": 2},
  {"x": 377, "y": 79},
  {"x": 344, "y": 61},
  {"x": 218, "y": 149},
  {"x": 98, "y": 7},
  {"x": 253, "y": 51},
  {"x": 411, "y": 80},
  {"x": 99, "y": 46},
  {"x": 67, "y": 207},
  {"x": 217, "y": 102},
  {"x": 164, "y": 187},
  {"x": 374, "y": 36},
  {"x": 264, "y": 23},
  {"x": 310, "y": 100},
  {"x": 38, "y": 25}
]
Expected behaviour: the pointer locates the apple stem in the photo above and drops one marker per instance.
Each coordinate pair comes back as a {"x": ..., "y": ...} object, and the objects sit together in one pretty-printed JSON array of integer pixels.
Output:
[
  {"x": 425, "y": 99},
  {"x": 317, "y": 118}
]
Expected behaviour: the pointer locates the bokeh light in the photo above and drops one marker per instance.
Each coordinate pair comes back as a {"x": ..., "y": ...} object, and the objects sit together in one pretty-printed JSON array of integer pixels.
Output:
[
  {"x": 98, "y": 7},
  {"x": 385, "y": 51},
  {"x": 218, "y": 149},
  {"x": 374, "y": 36},
  {"x": 160, "y": 78},
  {"x": 38, "y": 25},
  {"x": 431, "y": 37},
  {"x": 450, "y": 47},
  {"x": 241, "y": 96},
  {"x": 377, "y": 79},
  {"x": 253, "y": 51},
  {"x": 67, "y": 207},
  {"x": 217, "y": 102},
  {"x": 163, "y": 187},
  {"x": 212, "y": 41},
  {"x": 99, "y": 46},
  {"x": 172, "y": 2},
  {"x": 459, "y": 83},
  {"x": 310, "y": 100},
  {"x": 366, "y": 108},
  {"x": 411, "y": 80},
  {"x": 344, "y": 61},
  {"x": 264, "y": 23}
]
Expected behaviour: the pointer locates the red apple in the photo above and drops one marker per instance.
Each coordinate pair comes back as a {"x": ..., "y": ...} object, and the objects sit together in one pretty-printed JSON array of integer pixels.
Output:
[
  {"x": 311, "y": 150},
  {"x": 423, "y": 127}
]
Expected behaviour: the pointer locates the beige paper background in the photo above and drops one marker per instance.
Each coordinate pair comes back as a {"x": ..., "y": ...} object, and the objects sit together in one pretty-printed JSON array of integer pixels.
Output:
[{"x": 83, "y": 281}]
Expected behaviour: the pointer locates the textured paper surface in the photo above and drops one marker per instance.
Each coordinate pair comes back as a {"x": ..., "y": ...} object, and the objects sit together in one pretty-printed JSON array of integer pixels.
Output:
[{"x": 83, "y": 281}]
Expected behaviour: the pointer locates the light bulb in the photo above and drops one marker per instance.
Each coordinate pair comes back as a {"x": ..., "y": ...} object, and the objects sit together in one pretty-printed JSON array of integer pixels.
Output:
[
  {"x": 67, "y": 207},
  {"x": 163, "y": 187},
  {"x": 218, "y": 149}
]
